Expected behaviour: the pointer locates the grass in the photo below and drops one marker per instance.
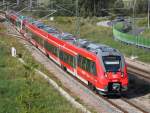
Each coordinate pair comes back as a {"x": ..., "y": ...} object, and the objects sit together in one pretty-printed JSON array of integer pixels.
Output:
[
  {"x": 141, "y": 22},
  {"x": 99, "y": 34},
  {"x": 146, "y": 33},
  {"x": 21, "y": 90}
]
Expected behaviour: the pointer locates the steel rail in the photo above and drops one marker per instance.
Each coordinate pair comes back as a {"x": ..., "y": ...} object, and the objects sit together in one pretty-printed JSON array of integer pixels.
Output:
[
  {"x": 139, "y": 72},
  {"x": 137, "y": 68},
  {"x": 109, "y": 101},
  {"x": 137, "y": 107}
]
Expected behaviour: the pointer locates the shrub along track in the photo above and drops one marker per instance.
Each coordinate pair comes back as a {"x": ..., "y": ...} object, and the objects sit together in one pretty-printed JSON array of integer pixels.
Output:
[{"x": 121, "y": 103}]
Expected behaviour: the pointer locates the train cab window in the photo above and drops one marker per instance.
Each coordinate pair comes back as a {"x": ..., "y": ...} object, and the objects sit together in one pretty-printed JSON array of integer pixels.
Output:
[{"x": 112, "y": 63}]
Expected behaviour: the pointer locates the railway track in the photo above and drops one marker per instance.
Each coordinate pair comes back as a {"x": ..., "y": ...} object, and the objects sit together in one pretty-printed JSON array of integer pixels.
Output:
[
  {"x": 132, "y": 104},
  {"x": 133, "y": 107},
  {"x": 145, "y": 74},
  {"x": 117, "y": 102}
]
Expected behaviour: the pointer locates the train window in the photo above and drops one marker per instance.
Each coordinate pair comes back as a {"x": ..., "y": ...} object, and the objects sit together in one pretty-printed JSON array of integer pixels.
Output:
[
  {"x": 61, "y": 55},
  {"x": 67, "y": 58},
  {"x": 112, "y": 63},
  {"x": 87, "y": 65},
  {"x": 93, "y": 68},
  {"x": 79, "y": 61},
  {"x": 51, "y": 48},
  {"x": 35, "y": 37}
]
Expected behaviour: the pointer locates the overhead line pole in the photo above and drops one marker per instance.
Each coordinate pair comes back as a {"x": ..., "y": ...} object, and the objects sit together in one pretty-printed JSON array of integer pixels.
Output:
[
  {"x": 30, "y": 4},
  {"x": 77, "y": 19},
  {"x": 134, "y": 14},
  {"x": 148, "y": 13},
  {"x": 133, "y": 28},
  {"x": 3, "y": 2},
  {"x": 18, "y": 2}
]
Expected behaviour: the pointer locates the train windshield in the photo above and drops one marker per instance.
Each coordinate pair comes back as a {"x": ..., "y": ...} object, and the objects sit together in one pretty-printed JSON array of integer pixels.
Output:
[{"x": 112, "y": 63}]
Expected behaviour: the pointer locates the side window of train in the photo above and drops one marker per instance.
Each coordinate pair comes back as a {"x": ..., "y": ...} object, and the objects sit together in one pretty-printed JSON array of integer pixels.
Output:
[
  {"x": 60, "y": 54},
  {"x": 35, "y": 37},
  {"x": 93, "y": 68},
  {"x": 83, "y": 63},
  {"x": 87, "y": 65},
  {"x": 50, "y": 47},
  {"x": 74, "y": 61},
  {"x": 79, "y": 61}
]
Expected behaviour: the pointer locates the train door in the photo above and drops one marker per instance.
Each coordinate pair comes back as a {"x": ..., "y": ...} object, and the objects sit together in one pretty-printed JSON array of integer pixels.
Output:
[
  {"x": 75, "y": 64},
  {"x": 58, "y": 55}
]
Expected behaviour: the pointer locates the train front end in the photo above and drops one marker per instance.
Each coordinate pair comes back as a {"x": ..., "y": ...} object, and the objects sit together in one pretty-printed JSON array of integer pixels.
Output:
[{"x": 113, "y": 78}]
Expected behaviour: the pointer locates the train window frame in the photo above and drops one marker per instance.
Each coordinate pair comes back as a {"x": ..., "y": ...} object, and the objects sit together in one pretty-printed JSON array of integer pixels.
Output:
[
  {"x": 67, "y": 58},
  {"x": 86, "y": 64},
  {"x": 51, "y": 48}
]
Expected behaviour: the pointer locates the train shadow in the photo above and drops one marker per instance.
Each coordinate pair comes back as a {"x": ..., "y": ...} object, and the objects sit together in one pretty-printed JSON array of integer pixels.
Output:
[{"x": 137, "y": 87}]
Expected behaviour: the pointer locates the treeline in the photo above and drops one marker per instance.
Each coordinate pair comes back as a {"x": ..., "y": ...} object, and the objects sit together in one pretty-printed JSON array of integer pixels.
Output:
[
  {"x": 88, "y": 7},
  {"x": 101, "y": 7},
  {"x": 85, "y": 7}
]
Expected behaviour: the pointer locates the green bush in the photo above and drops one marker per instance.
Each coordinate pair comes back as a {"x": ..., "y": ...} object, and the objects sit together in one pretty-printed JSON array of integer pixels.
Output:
[{"x": 119, "y": 26}]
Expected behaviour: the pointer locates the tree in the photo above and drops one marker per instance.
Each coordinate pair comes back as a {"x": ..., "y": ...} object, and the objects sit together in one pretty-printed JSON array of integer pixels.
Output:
[{"x": 118, "y": 5}]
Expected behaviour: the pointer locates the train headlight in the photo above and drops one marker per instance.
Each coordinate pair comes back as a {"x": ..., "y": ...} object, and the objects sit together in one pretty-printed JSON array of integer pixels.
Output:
[
  {"x": 122, "y": 74},
  {"x": 105, "y": 74}
]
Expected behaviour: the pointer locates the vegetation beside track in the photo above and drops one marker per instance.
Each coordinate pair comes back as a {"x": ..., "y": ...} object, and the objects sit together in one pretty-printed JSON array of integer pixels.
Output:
[
  {"x": 99, "y": 34},
  {"x": 146, "y": 33},
  {"x": 21, "y": 90},
  {"x": 143, "y": 23}
]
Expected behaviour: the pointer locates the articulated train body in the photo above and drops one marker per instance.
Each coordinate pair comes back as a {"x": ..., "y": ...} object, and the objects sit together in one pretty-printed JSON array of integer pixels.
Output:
[{"x": 101, "y": 67}]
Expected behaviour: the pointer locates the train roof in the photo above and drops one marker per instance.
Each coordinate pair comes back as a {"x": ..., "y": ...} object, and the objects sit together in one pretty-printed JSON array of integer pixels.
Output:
[
  {"x": 68, "y": 37},
  {"x": 57, "y": 35},
  {"x": 50, "y": 29},
  {"x": 98, "y": 49}
]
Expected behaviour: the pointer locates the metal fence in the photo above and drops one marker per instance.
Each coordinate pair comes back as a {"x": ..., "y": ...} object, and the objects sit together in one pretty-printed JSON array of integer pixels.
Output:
[{"x": 131, "y": 39}]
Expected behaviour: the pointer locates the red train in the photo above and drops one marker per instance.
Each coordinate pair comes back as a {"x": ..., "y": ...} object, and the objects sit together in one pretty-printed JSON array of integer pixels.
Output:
[{"x": 99, "y": 66}]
